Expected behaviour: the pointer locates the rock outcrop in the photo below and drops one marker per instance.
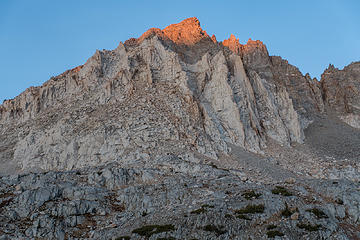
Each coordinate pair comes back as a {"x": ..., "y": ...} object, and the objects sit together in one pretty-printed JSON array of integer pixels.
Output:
[
  {"x": 305, "y": 93},
  {"x": 341, "y": 92},
  {"x": 183, "y": 199}
]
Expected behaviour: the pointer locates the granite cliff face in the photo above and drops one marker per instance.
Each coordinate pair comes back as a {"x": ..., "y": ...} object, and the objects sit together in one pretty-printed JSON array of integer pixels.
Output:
[
  {"x": 186, "y": 87},
  {"x": 305, "y": 93},
  {"x": 341, "y": 92},
  {"x": 210, "y": 93},
  {"x": 217, "y": 138}
]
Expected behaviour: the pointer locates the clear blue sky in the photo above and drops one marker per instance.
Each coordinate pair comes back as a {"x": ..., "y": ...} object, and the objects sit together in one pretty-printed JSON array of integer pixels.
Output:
[{"x": 40, "y": 39}]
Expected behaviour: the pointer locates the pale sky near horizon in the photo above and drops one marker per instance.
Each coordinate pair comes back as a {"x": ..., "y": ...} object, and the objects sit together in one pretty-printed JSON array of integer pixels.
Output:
[{"x": 40, "y": 39}]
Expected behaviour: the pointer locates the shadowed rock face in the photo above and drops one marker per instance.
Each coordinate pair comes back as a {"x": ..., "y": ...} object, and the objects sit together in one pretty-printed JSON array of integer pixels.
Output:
[
  {"x": 341, "y": 92},
  {"x": 304, "y": 92}
]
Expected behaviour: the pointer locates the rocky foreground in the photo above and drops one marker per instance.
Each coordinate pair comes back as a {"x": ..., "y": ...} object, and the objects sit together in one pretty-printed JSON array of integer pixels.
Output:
[
  {"x": 175, "y": 135},
  {"x": 181, "y": 198}
]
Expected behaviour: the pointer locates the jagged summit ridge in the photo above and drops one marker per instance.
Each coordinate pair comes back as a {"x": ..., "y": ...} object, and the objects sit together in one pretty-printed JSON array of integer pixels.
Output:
[
  {"x": 187, "y": 32},
  {"x": 234, "y": 45}
]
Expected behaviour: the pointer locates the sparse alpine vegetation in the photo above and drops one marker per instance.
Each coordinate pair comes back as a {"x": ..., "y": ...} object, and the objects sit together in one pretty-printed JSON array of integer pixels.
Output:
[
  {"x": 286, "y": 212},
  {"x": 317, "y": 212},
  {"x": 244, "y": 217},
  {"x": 218, "y": 230},
  {"x": 279, "y": 190},
  {"x": 309, "y": 227},
  {"x": 274, "y": 233},
  {"x": 149, "y": 230},
  {"x": 201, "y": 210},
  {"x": 251, "y": 209},
  {"x": 250, "y": 194}
]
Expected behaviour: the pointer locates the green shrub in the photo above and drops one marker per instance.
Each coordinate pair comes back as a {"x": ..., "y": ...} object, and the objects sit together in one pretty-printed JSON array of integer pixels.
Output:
[
  {"x": 272, "y": 234},
  {"x": 198, "y": 211},
  {"x": 271, "y": 227},
  {"x": 202, "y": 209},
  {"x": 149, "y": 230},
  {"x": 286, "y": 212},
  {"x": 242, "y": 216},
  {"x": 251, "y": 209},
  {"x": 212, "y": 228},
  {"x": 250, "y": 194},
  {"x": 207, "y": 206},
  {"x": 317, "y": 212},
  {"x": 308, "y": 227},
  {"x": 279, "y": 190}
]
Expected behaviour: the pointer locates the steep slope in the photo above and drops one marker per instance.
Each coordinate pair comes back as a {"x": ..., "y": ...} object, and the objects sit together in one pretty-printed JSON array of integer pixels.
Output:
[
  {"x": 168, "y": 88},
  {"x": 341, "y": 92},
  {"x": 305, "y": 93}
]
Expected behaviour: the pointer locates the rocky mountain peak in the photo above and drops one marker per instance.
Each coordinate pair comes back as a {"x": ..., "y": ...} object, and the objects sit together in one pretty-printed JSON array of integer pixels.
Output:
[
  {"x": 250, "y": 49},
  {"x": 187, "y": 32},
  {"x": 355, "y": 66},
  {"x": 233, "y": 44},
  {"x": 255, "y": 45},
  {"x": 331, "y": 68},
  {"x": 187, "y": 38},
  {"x": 149, "y": 33},
  {"x": 213, "y": 38}
]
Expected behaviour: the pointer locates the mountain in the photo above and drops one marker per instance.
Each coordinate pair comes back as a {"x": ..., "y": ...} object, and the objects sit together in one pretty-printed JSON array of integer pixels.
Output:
[{"x": 219, "y": 139}]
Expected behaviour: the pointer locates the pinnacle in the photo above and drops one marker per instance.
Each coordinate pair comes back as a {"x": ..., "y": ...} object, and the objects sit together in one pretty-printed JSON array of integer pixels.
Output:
[
  {"x": 190, "y": 21},
  {"x": 232, "y": 43},
  {"x": 232, "y": 37},
  {"x": 187, "y": 32}
]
